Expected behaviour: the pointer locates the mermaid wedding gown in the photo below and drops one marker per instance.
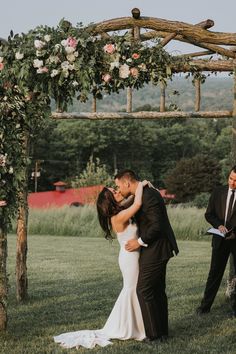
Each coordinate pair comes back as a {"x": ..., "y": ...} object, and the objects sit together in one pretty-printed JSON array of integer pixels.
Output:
[{"x": 125, "y": 320}]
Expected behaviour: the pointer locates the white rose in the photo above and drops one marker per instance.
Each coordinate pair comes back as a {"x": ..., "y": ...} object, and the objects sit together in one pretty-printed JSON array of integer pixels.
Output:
[
  {"x": 114, "y": 64},
  {"x": 64, "y": 42},
  {"x": 39, "y": 44},
  {"x": 1, "y": 59},
  {"x": 69, "y": 50},
  {"x": 37, "y": 63},
  {"x": 47, "y": 37},
  {"x": 19, "y": 56},
  {"x": 124, "y": 71},
  {"x": 10, "y": 170},
  {"x": 70, "y": 57},
  {"x": 53, "y": 59},
  {"x": 54, "y": 73},
  {"x": 65, "y": 65}
]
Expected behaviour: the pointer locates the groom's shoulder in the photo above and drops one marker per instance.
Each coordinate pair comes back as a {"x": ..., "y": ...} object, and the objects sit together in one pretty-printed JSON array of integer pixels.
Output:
[{"x": 151, "y": 192}]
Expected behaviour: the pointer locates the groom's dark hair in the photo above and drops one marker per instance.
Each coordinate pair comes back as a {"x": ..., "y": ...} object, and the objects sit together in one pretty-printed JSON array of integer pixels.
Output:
[{"x": 128, "y": 174}]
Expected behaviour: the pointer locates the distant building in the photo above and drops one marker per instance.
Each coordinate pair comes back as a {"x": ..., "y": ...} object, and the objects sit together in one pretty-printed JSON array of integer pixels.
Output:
[
  {"x": 63, "y": 196},
  {"x": 73, "y": 197}
]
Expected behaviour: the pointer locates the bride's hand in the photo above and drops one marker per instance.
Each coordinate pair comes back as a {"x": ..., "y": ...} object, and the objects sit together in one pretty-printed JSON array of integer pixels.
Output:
[{"x": 147, "y": 183}]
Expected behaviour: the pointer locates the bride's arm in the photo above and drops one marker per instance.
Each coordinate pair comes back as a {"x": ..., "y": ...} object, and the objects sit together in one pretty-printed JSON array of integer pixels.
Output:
[
  {"x": 127, "y": 202},
  {"x": 124, "y": 215}
]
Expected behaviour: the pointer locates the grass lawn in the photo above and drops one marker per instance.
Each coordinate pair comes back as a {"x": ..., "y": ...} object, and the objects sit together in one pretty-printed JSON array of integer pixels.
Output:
[{"x": 74, "y": 282}]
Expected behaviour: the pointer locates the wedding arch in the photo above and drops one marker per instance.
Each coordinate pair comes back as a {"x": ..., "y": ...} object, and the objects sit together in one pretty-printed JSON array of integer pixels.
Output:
[{"x": 66, "y": 62}]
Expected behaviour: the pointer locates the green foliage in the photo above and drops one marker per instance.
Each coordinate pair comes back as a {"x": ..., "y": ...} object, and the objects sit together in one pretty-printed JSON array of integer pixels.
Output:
[
  {"x": 193, "y": 176},
  {"x": 201, "y": 200},
  {"x": 94, "y": 174},
  {"x": 188, "y": 222}
]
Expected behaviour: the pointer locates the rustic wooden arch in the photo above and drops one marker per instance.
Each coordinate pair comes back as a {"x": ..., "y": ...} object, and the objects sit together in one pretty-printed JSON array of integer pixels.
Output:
[{"x": 198, "y": 35}]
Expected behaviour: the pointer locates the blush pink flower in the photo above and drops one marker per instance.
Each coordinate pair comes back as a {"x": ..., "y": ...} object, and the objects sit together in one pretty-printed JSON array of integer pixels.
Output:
[
  {"x": 109, "y": 48},
  {"x": 135, "y": 55},
  {"x": 1, "y": 66},
  {"x": 106, "y": 77},
  {"x": 134, "y": 72},
  {"x": 42, "y": 70},
  {"x": 72, "y": 42}
]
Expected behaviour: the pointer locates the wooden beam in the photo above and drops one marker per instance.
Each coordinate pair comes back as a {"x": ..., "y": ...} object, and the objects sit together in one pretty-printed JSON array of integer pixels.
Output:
[
  {"x": 215, "y": 48},
  {"x": 204, "y": 24},
  {"x": 141, "y": 115},
  {"x": 196, "y": 54},
  {"x": 205, "y": 65},
  {"x": 196, "y": 33}
]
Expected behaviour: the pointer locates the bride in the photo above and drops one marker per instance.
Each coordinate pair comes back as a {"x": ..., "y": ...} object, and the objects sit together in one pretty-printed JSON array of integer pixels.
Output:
[{"x": 125, "y": 320}]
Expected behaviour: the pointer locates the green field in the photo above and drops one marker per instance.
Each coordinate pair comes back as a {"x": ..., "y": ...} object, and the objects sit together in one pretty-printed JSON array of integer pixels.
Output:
[{"x": 74, "y": 282}]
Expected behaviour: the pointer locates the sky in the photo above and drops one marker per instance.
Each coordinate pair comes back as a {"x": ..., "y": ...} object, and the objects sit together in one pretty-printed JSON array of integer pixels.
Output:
[{"x": 23, "y": 15}]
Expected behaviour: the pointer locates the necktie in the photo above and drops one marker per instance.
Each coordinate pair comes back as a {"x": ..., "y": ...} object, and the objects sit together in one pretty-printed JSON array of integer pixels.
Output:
[{"x": 230, "y": 208}]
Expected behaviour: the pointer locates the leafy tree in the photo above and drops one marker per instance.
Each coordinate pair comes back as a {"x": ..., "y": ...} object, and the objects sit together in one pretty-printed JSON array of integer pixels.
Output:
[
  {"x": 94, "y": 174},
  {"x": 193, "y": 176}
]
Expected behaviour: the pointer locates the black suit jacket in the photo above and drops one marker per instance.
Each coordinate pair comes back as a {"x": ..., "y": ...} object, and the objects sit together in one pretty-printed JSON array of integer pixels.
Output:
[
  {"x": 154, "y": 227},
  {"x": 215, "y": 213}
]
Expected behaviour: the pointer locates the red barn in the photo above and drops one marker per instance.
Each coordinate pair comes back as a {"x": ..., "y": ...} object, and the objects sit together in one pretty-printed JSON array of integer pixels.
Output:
[{"x": 62, "y": 196}]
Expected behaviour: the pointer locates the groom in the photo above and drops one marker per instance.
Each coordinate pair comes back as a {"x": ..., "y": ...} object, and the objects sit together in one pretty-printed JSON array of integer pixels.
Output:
[{"x": 157, "y": 242}]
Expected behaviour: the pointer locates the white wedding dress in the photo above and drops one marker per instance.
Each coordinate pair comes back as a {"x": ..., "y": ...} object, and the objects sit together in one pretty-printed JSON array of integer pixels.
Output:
[{"x": 125, "y": 320}]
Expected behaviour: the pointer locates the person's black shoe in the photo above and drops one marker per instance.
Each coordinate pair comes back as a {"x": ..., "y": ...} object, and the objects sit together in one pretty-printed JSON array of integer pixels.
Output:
[
  {"x": 155, "y": 340},
  {"x": 201, "y": 311}
]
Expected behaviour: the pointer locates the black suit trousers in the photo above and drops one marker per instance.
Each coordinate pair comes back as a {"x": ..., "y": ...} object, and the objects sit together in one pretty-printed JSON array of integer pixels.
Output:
[
  {"x": 219, "y": 260},
  {"x": 152, "y": 298}
]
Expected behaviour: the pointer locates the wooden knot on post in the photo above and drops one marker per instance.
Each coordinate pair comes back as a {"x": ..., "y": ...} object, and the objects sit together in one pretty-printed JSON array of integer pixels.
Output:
[{"x": 135, "y": 13}]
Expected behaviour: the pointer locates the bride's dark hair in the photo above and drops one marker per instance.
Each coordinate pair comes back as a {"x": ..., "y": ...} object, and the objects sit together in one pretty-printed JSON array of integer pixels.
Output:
[{"x": 107, "y": 207}]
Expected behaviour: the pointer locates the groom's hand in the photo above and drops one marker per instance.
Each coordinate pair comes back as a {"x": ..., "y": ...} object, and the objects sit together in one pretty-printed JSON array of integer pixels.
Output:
[{"x": 132, "y": 245}]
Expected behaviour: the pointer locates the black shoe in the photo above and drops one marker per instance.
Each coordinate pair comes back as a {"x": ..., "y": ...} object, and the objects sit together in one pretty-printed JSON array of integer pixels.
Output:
[
  {"x": 155, "y": 340},
  {"x": 201, "y": 311}
]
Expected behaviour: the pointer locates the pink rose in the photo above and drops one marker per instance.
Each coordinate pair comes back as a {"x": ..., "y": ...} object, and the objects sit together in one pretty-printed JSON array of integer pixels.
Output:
[
  {"x": 106, "y": 77},
  {"x": 109, "y": 48},
  {"x": 42, "y": 70},
  {"x": 135, "y": 56},
  {"x": 72, "y": 42},
  {"x": 134, "y": 72},
  {"x": 1, "y": 66}
]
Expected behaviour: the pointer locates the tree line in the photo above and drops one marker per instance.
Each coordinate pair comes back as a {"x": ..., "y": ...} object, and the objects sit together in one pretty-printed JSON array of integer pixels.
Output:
[{"x": 185, "y": 156}]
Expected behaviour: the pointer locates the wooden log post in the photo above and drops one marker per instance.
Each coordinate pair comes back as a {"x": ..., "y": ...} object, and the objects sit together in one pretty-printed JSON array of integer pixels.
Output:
[
  {"x": 22, "y": 223},
  {"x": 197, "y": 84},
  {"x": 94, "y": 105},
  {"x": 232, "y": 270},
  {"x": 3, "y": 271},
  {"x": 162, "y": 97}
]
